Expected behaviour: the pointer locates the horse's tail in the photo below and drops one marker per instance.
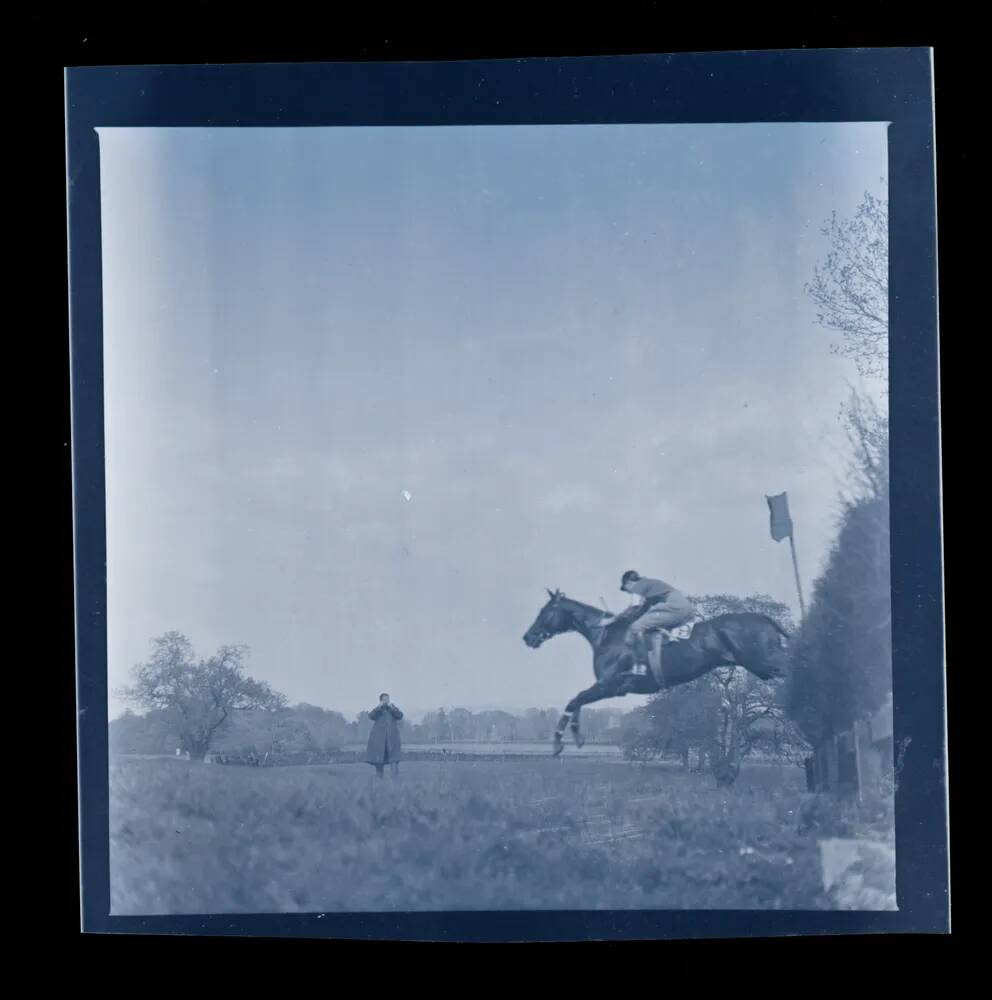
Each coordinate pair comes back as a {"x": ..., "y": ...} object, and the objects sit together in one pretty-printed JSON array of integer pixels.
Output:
[
  {"x": 779, "y": 659},
  {"x": 778, "y": 628}
]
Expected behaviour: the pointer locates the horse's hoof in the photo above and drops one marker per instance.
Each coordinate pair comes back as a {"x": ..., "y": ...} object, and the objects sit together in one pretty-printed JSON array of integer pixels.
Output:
[
  {"x": 557, "y": 749},
  {"x": 580, "y": 741}
]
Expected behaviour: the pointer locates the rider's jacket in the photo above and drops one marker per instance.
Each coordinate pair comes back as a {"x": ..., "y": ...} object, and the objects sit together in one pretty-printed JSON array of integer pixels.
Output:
[{"x": 653, "y": 591}]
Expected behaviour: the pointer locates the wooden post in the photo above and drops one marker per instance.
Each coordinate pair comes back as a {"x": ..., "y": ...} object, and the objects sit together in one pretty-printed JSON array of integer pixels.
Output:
[
  {"x": 833, "y": 770},
  {"x": 799, "y": 587}
]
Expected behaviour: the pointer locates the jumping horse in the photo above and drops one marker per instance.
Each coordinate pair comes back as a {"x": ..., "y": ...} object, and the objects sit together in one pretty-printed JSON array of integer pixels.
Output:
[{"x": 752, "y": 641}]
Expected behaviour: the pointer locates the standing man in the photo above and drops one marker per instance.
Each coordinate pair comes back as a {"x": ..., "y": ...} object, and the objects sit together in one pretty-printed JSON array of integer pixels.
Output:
[{"x": 384, "y": 740}]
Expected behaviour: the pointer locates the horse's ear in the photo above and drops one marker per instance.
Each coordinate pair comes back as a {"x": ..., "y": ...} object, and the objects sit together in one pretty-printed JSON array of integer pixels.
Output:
[{"x": 552, "y": 596}]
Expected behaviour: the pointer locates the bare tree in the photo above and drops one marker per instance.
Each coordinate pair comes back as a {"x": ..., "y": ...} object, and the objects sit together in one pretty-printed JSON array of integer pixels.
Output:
[
  {"x": 868, "y": 439},
  {"x": 750, "y": 718},
  {"x": 199, "y": 695},
  {"x": 726, "y": 715},
  {"x": 851, "y": 288}
]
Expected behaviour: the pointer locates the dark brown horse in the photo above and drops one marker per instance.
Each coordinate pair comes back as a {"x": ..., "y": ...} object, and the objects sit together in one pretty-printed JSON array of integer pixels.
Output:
[{"x": 753, "y": 641}]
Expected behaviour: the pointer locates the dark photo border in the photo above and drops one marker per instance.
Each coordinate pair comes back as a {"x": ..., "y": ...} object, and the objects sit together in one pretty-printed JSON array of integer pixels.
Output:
[{"x": 893, "y": 85}]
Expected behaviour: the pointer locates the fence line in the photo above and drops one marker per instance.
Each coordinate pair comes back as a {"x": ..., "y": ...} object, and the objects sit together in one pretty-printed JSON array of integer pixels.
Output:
[{"x": 854, "y": 761}]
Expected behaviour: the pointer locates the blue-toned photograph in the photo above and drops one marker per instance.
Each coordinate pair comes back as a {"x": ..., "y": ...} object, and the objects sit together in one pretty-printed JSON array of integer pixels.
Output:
[{"x": 497, "y": 518}]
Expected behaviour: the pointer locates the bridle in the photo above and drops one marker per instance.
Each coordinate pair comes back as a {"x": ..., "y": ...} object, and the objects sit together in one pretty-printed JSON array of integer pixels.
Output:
[{"x": 545, "y": 633}]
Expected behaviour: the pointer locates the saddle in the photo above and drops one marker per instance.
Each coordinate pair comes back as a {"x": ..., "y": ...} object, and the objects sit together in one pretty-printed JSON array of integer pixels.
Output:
[
  {"x": 668, "y": 636},
  {"x": 679, "y": 633}
]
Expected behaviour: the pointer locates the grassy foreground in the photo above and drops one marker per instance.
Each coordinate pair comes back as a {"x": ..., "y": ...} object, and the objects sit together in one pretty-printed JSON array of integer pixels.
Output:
[{"x": 542, "y": 834}]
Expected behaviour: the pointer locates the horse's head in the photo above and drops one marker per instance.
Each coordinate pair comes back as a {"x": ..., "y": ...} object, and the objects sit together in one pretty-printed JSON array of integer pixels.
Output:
[{"x": 551, "y": 620}]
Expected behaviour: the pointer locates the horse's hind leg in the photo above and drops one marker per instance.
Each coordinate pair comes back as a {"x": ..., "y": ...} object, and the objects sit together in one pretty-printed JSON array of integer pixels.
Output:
[
  {"x": 770, "y": 662},
  {"x": 757, "y": 654},
  {"x": 765, "y": 671}
]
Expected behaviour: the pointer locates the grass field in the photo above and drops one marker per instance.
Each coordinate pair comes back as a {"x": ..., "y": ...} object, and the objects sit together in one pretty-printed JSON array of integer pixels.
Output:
[
  {"x": 536, "y": 748},
  {"x": 573, "y": 833}
]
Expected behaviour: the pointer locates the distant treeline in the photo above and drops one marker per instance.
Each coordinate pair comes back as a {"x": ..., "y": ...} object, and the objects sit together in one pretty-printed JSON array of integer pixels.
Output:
[{"x": 301, "y": 728}]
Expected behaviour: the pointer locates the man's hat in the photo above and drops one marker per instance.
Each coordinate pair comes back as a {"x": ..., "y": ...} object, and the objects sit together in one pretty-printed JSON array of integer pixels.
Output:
[{"x": 628, "y": 576}]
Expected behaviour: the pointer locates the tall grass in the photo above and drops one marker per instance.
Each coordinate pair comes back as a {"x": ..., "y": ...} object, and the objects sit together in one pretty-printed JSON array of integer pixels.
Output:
[{"x": 555, "y": 834}]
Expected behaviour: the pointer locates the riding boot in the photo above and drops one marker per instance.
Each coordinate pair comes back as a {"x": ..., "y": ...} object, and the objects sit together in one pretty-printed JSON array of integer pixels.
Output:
[
  {"x": 654, "y": 660},
  {"x": 640, "y": 654}
]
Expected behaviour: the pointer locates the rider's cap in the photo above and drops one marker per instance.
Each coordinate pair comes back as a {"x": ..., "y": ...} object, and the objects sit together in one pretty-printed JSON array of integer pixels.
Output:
[{"x": 628, "y": 576}]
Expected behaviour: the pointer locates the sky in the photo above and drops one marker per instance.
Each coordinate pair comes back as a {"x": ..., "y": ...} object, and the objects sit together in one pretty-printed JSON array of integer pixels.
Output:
[{"x": 368, "y": 391}]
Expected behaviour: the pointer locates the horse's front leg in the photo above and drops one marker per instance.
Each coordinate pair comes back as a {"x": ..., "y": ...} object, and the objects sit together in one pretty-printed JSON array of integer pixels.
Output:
[
  {"x": 577, "y": 736},
  {"x": 599, "y": 691}
]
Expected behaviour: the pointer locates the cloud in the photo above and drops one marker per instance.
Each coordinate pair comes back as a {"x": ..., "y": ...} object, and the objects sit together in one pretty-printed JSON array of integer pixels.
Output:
[{"x": 565, "y": 496}]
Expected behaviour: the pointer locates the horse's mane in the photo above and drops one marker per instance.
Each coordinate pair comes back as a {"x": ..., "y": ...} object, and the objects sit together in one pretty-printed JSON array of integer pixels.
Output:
[{"x": 579, "y": 606}]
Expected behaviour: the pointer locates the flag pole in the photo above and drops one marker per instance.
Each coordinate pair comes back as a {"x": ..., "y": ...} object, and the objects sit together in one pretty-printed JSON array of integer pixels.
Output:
[
  {"x": 795, "y": 566},
  {"x": 781, "y": 527}
]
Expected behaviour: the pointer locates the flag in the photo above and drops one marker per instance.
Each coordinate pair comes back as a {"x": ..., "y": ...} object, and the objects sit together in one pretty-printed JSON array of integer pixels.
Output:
[{"x": 781, "y": 522}]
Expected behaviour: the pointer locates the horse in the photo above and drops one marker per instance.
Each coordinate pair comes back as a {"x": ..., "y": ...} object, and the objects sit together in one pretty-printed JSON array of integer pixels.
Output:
[{"x": 749, "y": 640}]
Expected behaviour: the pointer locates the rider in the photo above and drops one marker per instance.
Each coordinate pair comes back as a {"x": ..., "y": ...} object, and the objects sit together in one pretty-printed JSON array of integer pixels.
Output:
[{"x": 666, "y": 608}]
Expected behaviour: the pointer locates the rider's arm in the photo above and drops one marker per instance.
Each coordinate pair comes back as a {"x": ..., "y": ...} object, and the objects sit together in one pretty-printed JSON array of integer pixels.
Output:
[{"x": 632, "y": 612}]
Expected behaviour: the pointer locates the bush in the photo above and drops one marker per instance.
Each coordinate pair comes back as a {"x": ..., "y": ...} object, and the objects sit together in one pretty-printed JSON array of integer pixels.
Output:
[
  {"x": 842, "y": 656},
  {"x": 841, "y": 667}
]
